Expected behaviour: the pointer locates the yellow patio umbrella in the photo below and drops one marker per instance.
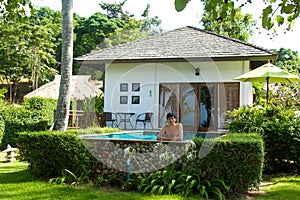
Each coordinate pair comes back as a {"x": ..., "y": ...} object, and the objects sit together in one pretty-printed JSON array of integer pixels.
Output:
[{"x": 268, "y": 73}]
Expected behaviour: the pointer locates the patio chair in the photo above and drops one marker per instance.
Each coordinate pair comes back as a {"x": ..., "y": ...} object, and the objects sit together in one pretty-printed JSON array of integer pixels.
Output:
[
  {"x": 144, "y": 118},
  {"x": 110, "y": 117}
]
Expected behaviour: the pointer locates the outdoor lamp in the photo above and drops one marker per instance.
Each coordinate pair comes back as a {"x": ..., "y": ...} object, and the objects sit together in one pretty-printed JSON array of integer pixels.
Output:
[{"x": 197, "y": 71}]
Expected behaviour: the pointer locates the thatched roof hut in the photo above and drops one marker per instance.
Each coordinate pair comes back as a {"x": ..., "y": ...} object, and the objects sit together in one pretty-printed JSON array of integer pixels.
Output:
[{"x": 82, "y": 87}]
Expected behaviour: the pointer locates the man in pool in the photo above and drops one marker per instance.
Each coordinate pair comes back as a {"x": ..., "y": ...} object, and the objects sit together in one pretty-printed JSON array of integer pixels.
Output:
[{"x": 173, "y": 130}]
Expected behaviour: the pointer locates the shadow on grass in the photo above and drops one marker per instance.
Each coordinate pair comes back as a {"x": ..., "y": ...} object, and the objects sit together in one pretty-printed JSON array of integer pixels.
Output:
[{"x": 16, "y": 177}]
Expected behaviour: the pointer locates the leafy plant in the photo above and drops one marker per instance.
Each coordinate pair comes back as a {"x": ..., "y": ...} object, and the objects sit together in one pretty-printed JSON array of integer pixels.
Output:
[
  {"x": 70, "y": 177},
  {"x": 183, "y": 180}
]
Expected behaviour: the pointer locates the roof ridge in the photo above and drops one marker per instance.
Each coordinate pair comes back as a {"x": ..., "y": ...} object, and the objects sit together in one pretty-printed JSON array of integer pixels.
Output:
[
  {"x": 134, "y": 41},
  {"x": 232, "y": 39}
]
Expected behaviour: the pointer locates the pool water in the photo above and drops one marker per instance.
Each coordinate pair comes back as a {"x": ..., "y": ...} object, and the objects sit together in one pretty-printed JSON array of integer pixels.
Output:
[{"x": 147, "y": 135}]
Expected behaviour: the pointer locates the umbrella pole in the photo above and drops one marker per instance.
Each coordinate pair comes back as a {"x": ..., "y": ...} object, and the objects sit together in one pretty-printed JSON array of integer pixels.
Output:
[{"x": 267, "y": 96}]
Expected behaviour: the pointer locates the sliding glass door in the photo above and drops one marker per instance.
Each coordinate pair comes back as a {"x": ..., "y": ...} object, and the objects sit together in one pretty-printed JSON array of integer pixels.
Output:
[{"x": 198, "y": 106}]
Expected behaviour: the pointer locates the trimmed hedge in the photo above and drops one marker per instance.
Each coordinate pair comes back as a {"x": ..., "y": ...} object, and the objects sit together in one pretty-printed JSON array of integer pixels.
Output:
[
  {"x": 36, "y": 114},
  {"x": 280, "y": 129},
  {"x": 50, "y": 152},
  {"x": 236, "y": 159}
]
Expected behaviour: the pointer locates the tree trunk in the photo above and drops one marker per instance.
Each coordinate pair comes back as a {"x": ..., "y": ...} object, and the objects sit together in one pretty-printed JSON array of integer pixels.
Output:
[{"x": 63, "y": 105}]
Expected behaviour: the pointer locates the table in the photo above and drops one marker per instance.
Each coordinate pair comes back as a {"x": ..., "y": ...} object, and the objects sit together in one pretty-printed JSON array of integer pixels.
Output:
[{"x": 125, "y": 117}]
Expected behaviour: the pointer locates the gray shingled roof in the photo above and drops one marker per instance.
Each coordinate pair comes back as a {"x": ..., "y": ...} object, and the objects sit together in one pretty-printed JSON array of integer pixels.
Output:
[{"x": 182, "y": 43}]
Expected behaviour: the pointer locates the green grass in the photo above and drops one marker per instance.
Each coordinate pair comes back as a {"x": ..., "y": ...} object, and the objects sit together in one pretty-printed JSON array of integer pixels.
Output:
[
  {"x": 281, "y": 188},
  {"x": 16, "y": 183}
]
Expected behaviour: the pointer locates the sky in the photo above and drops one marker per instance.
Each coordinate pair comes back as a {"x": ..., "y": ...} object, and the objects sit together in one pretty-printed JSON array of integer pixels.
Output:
[{"x": 190, "y": 16}]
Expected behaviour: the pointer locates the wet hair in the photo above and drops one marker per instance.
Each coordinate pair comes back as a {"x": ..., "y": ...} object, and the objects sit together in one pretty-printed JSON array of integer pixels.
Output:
[{"x": 170, "y": 115}]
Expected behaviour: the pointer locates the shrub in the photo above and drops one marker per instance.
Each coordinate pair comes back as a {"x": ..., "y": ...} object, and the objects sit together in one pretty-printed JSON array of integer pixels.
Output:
[
  {"x": 280, "y": 128},
  {"x": 235, "y": 160},
  {"x": 34, "y": 115},
  {"x": 49, "y": 153},
  {"x": 43, "y": 108}
]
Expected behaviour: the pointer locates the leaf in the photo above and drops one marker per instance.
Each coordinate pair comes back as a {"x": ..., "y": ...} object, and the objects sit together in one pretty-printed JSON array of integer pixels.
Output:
[
  {"x": 267, "y": 10},
  {"x": 161, "y": 189},
  {"x": 153, "y": 189},
  {"x": 267, "y": 22},
  {"x": 287, "y": 9},
  {"x": 280, "y": 20},
  {"x": 180, "y": 5}
]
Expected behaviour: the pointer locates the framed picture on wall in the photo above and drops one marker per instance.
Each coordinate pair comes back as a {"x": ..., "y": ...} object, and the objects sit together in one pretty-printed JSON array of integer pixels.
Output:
[
  {"x": 135, "y": 87},
  {"x": 123, "y": 100},
  {"x": 124, "y": 87},
  {"x": 135, "y": 100}
]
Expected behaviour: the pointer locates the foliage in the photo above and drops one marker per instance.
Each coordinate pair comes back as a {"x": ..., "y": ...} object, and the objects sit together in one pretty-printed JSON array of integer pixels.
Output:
[
  {"x": 46, "y": 37},
  {"x": 97, "y": 130},
  {"x": 210, "y": 174},
  {"x": 27, "y": 51},
  {"x": 185, "y": 182},
  {"x": 247, "y": 119},
  {"x": 238, "y": 26},
  {"x": 15, "y": 8},
  {"x": 280, "y": 128},
  {"x": 280, "y": 12},
  {"x": 69, "y": 177},
  {"x": 150, "y": 24},
  {"x": 36, "y": 114},
  {"x": 288, "y": 59},
  {"x": 50, "y": 152},
  {"x": 240, "y": 161},
  {"x": 92, "y": 107}
]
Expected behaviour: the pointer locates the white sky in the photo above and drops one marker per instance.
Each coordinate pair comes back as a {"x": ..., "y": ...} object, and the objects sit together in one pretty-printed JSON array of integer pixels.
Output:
[{"x": 190, "y": 16}]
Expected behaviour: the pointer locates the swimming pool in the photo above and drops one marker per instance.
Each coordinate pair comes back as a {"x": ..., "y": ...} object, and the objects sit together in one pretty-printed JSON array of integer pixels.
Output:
[{"x": 147, "y": 135}]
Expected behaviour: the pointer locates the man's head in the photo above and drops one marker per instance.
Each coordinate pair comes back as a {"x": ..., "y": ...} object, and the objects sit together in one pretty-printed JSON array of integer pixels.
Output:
[
  {"x": 170, "y": 115},
  {"x": 171, "y": 118}
]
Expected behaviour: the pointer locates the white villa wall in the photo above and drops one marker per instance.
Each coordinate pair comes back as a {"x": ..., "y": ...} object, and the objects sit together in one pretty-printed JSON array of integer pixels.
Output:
[{"x": 149, "y": 75}]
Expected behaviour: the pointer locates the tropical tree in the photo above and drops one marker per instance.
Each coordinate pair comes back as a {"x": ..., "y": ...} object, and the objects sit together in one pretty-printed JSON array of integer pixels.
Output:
[
  {"x": 45, "y": 37},
  {"x": 288, "y": 59},
  {"x": 238, "y": 26},
  {"x": 15, "y": 8},
  {"x": 150, "y": 24},
  {"x": 63, "y": 105},
  {"x": 280, "y": 12},
  {"x": 14, "y": 54}
]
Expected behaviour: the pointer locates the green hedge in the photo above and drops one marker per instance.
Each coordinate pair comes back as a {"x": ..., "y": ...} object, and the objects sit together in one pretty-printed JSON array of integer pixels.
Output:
[
  {"x": 36, "y": 114},
  {"x": 50, "y": 152},
  {"x": 236, "y": 159},
  {"x": 280, "y": 129}
]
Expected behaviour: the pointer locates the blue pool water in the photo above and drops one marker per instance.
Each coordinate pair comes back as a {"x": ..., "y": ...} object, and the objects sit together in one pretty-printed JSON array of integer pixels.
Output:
[{"x": 146, "y": 135}]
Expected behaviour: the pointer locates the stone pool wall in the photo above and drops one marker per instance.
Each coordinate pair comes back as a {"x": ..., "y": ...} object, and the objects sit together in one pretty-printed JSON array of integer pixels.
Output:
[{"x": 134, "y": 156}]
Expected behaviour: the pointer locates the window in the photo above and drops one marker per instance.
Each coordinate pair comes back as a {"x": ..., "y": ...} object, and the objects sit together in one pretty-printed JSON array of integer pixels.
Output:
[
  {"x": 135, "y": 100},
  {"x": 123, "y": 99},
  {"x": 135, "y": 87},
  {"x": 124, "y": 87}
]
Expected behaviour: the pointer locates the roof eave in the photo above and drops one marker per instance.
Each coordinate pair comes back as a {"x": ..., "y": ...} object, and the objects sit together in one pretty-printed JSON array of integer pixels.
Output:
[{"x": 185, "y": 59}]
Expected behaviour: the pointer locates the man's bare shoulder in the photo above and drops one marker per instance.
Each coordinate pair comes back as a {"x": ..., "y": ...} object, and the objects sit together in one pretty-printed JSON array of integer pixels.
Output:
[{"x": 179, "y": 124}]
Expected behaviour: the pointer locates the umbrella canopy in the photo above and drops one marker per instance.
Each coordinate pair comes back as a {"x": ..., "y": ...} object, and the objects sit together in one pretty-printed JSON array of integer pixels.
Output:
[{"x": 268, "y": 73}]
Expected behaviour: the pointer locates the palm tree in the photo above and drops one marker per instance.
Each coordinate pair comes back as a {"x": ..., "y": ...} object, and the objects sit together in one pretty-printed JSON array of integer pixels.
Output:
[{"x": 63, "y": 105}]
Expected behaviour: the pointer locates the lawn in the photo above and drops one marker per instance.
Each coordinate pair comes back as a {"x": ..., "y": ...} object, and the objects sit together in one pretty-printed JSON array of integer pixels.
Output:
[{"x": 16, "y": 183}]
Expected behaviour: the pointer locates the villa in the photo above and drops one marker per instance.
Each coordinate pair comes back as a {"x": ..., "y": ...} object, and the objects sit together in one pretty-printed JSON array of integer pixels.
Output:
[{"x": 187, "y": 71}]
